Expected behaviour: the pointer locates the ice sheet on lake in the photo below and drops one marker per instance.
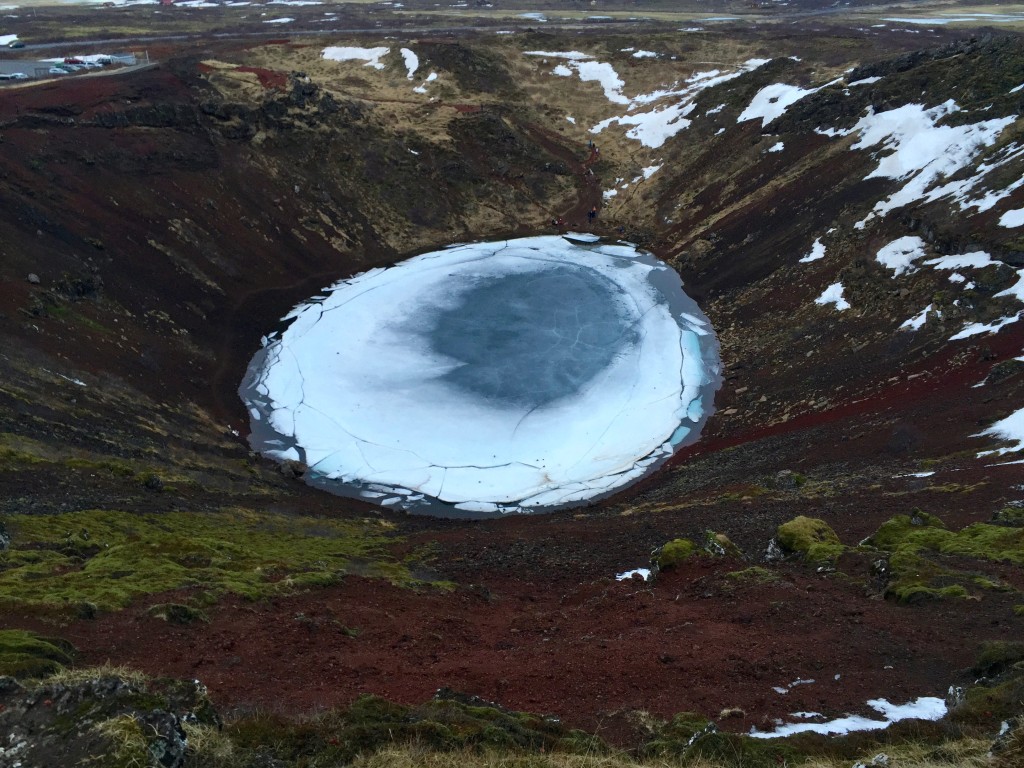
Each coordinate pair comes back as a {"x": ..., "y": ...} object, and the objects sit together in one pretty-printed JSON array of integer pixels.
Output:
[{"x": 493, "y": 377}]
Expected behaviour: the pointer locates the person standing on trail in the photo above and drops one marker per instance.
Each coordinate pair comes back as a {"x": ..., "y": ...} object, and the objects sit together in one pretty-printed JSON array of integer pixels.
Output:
[{"x": 592, "y": 214}]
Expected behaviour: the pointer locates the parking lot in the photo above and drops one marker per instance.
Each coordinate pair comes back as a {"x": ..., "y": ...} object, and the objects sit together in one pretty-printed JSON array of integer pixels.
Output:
[{"x": 15, "y": 70}]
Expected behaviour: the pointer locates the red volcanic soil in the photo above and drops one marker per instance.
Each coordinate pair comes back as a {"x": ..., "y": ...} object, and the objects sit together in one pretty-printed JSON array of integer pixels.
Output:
[
  {"x": 587, "y": 651},
  {"x": 268, "y": 78}
]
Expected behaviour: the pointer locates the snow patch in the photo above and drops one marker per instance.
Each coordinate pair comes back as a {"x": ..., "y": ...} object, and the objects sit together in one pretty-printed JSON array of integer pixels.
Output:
[
  {"x": 817, "y": 252},
  {"x": 917, "y": 321},
  {"x": 922, "y": 152},
  {"x": 900, "y": 255},
  {"x": 412, "y": 62},
  {"x": 1014, "y": 218},
  {"x": 923, "y": 708},
  {"x": 653, "y": 128},
  {"x": 644, "y": 573},
  {"x": 371, "y": 56},
  {"x": 833, "y": 295},
  {"x": 771, "y": 102}
]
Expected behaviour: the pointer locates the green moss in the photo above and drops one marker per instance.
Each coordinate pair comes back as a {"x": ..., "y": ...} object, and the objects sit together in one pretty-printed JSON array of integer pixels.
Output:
[
  {"x": 922, "y": 527},
  {"x": 25, "y": 654},
  {"x": 997, "y": 656},
  {"x": 987, "y": 704},
  {"x": 673, "y": 553},
  {"x": 116, "y": 467},
  {"x": 1018, "y": 610},
  {"x": 754, "y": 575},
  {"x": 1009, "y": 516},
  {"x": 110, "y": 558},
  {"x": 920, "y": 544},
  {"x": 811, "y": 538}
]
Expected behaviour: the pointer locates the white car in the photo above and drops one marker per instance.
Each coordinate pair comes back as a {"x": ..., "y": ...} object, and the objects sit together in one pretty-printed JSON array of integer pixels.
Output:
[
  {"x": 18, "y": 76},
  {"x": 58, "y": 71}
]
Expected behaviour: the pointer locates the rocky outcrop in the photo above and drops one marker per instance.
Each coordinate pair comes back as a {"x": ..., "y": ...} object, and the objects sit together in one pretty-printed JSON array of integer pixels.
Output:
[{"x": 110, "y": 718}]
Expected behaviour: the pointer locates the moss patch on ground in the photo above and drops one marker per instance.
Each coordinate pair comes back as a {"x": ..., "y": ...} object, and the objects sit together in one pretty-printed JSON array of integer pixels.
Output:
[
  {"x": 103, "y": 560},
  {"x": 922, "y": 550},
  {"x": 25, "y": 654}
]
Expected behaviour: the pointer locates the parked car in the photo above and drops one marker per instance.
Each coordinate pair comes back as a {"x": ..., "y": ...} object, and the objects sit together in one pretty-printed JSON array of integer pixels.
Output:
[
  {"x": 18, "y": 76},
  {"x": 16, "y": 44},
  {"x": 73, "y": 60},
  {"x": 58, "y": 71}
]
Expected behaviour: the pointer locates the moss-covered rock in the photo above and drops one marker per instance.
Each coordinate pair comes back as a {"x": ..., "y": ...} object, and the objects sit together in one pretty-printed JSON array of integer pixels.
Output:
[
  {"x": 107, "y": 718},
  {"x": 1012, "y": 517},
  {"x": 26, "y": 655},
  {"x": 670, "y": 555},
  {"x": 920, "y": 527},
  {"x": 997, "y": 656},
  {"x": 811, "y": 538},
  {"x": 720, "y": 545}
]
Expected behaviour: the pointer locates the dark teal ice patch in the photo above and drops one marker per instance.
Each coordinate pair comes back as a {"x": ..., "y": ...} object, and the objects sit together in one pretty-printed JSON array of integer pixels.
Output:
[{"x": 530, "y": 339}]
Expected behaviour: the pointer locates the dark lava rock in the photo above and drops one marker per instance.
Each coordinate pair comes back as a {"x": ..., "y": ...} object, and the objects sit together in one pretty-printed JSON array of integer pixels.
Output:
[{"x": 92, "y": 721}]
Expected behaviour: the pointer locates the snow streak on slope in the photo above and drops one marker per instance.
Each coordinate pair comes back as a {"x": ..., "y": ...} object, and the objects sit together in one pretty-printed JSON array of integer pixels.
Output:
[
  {"x": 914, "y": 148},
  {"x": 651, "y": 128}
]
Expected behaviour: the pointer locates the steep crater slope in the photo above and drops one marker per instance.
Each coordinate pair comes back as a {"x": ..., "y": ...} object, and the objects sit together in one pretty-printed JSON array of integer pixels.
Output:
[{"x": 157, "y": 225}]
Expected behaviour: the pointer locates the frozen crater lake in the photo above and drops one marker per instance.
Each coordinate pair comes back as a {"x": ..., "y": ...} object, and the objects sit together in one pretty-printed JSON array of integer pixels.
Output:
[{"x": 511, "y": 376}]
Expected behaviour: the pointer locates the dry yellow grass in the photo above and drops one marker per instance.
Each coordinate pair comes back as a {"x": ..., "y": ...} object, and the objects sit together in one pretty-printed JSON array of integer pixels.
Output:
[{"x": 966, "y": 753}]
